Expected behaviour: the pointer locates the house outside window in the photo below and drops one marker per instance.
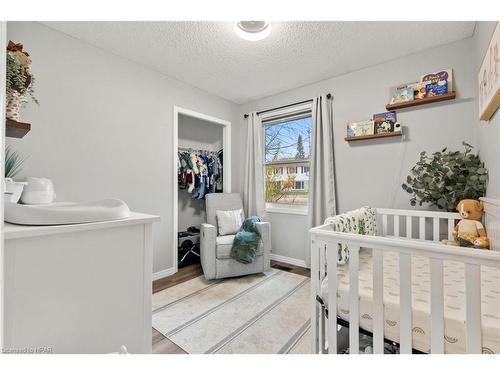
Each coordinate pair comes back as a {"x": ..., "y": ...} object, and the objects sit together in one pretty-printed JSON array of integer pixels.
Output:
[{"x": 287, "y": 148}]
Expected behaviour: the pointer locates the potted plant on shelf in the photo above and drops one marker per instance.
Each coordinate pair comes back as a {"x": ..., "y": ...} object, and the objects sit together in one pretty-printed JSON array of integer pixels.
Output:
[
  {"x": 13, "y": 165},
  {"x": 19, "y": 80},
  {"x": 445, "y": 178}
]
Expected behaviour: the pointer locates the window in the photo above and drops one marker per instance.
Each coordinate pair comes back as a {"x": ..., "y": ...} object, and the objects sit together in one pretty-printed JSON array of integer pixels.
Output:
[
  {"x": 304, "y": 169},
  {"x": 287, "y": 145},
  {"x": 299, "y": 185}
]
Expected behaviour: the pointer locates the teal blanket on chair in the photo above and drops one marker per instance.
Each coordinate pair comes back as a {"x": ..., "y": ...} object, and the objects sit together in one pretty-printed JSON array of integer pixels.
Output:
[{"x": 246, "y": 241}]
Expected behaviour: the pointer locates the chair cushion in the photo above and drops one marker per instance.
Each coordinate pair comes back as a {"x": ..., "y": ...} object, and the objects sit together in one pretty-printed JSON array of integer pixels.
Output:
[
  {"x": 221, "y": 201},
  {"x": 229, "y": 222},
  {"x": 223, "y": 245}
]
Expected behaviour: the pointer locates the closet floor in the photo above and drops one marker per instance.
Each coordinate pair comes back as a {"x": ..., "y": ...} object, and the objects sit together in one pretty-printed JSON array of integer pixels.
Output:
[{"x": 161, "y": 344}]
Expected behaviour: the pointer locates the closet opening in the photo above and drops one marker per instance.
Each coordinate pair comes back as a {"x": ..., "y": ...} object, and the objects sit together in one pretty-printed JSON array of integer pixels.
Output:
[{"x": 202, "y": 165}]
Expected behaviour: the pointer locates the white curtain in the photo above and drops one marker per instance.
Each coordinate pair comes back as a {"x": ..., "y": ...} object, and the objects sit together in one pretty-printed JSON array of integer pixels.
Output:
[
  {"x": 322, "y": 171},
  {"x": 253, "y": 188}
]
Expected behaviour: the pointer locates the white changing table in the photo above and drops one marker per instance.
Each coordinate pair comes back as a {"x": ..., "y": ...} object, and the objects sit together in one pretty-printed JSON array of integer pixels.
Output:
[{"x": 83, "y": 288}]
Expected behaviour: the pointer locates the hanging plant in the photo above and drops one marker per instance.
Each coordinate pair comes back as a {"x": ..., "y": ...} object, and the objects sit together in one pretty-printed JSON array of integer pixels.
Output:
[{"x": 446, "y": 177}]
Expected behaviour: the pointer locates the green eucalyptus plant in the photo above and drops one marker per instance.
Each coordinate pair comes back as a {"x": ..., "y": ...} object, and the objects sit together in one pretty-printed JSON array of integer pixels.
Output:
[
  {"x": 13, "y": 162},
  {"x": 446, "y": 177}
]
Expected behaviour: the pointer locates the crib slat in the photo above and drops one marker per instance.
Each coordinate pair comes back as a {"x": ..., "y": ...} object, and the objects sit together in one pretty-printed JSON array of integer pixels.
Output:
[
  {"x": 437, "y": 306},
  {"x": 322, "y": 275},
  {"x": 331, "y": 254},
  {"x": 435, "y": 230},
  {"x": 322, "y": 330},
  {"x": 315, "y": 249},
  {"x": 473, "y": 308},
  {"x": 408, "y": 226},
  {"x": 384, "y": 225},
  {"x": 396, "y": 225},
  {"x": 451, "y": 228},
  {"x": 378, "y": 301},
  {"x": 322, "y": 261},
  {"x": 353, "y": 300},
  {"x": 421, "y": 227},
  {"x": 405, "y": 303}
]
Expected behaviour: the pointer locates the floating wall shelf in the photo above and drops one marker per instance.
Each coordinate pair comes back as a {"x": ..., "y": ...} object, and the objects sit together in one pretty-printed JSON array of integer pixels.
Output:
[
  {"x": 15, "y": 129},
  {"x": 414, "y": 103},
  {"x": 373, "y": 136}
]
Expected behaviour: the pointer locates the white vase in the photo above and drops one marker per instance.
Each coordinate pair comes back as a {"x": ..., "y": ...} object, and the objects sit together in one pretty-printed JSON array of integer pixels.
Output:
[
  {"x": 13, "y": 190},
  {"x": 13, "y": 106}
]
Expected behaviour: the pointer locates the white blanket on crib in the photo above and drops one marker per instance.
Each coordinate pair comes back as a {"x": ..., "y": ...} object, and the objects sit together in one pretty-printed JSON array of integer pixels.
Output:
[{"x": 360, "y": 221}]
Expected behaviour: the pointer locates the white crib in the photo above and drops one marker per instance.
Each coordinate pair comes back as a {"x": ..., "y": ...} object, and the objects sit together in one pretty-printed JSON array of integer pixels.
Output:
[{"x": 410, "y": 234}]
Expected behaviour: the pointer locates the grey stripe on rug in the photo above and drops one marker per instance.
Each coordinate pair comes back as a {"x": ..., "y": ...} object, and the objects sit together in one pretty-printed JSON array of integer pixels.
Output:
[
  {"x": 233, "y": 335},
  {"x": 262, "y": 313}
]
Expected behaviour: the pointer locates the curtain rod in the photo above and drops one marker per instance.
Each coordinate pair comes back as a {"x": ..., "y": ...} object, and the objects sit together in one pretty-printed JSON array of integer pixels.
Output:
[{"x": 328, "y": 96}]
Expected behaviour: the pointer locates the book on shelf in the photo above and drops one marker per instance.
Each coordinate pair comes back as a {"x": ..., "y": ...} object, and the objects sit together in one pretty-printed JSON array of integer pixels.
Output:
[
  {"x": 384, "y": 122},
  {"x": 402, "y": 94},
  {"x": 419, "y": 90},
  {"x": 436, "y": 88},
  {"x": 430, "y": 84},
  {"x": 445, "y": 75},
  {"x": 359, "y": 128}
]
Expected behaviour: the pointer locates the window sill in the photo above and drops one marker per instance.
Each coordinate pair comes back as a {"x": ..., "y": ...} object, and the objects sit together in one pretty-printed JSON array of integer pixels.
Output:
[{"x": 285, "y": 209}]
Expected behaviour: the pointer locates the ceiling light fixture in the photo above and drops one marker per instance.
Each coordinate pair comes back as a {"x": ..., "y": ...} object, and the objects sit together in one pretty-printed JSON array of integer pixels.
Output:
[{"x": 252, "y": 30}]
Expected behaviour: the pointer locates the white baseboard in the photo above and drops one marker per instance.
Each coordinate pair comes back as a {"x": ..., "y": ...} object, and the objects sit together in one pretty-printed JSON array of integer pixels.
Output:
[
  {"x": 279, "y": 258},
  {"x": 164, "y": 273},
  {"x": 292, "y": 261}
]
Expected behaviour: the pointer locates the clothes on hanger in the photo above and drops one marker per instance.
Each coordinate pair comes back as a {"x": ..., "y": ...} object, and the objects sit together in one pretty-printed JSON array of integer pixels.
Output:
[{"x": 200, "y": 172}]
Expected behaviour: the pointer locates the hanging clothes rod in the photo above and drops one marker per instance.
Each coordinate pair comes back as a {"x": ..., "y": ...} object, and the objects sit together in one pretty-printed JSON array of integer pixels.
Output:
[
  {"x": 194, "y": 149},
  {"x": 328, "y": 96}
]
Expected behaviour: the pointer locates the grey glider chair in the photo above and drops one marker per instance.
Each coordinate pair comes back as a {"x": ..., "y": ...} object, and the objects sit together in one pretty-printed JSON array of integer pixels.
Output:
[{"x": 214, "y": 250}]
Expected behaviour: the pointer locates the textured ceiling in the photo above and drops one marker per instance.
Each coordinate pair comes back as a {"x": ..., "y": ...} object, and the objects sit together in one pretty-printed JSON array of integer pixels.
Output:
[{"x": 210, "y": 56}]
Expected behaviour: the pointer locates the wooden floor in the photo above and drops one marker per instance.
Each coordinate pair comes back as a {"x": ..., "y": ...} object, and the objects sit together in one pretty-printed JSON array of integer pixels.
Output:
[{"x": 161, "y": 344}]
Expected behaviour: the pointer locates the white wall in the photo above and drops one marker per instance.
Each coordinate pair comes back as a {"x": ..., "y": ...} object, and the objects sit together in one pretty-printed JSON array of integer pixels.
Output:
[
  {"x": 488, "y": 132},
  {"x": 104, "y": 126},
  {"x": 368, "y": 172},
  {"x": 197, "y": 134}
]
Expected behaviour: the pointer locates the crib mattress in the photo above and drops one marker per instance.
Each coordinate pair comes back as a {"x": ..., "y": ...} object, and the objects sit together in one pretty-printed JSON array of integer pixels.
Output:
[{"x": 454, "y": 301}]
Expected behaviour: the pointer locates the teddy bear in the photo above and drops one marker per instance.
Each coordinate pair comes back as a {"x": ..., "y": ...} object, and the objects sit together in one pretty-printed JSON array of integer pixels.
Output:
[{"x": 469, "y": 232}]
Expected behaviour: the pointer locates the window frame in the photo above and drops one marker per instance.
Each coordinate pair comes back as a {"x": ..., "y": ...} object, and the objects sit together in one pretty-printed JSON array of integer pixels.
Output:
[{"x": 269, "y": 119}]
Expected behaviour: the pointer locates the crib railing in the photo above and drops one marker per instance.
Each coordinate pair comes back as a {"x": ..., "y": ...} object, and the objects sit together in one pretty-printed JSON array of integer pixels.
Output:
[
  {"x": 324, "y": 248},
  {"x": 423, "y": 225}
]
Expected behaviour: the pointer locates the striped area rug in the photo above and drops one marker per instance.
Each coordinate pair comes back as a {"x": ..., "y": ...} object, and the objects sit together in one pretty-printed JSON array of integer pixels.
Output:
[{"x": 264, "y": 313}]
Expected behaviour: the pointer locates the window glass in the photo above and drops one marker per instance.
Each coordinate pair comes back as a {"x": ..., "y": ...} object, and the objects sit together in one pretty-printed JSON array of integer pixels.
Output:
[{"x": 287, "y": 148}]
